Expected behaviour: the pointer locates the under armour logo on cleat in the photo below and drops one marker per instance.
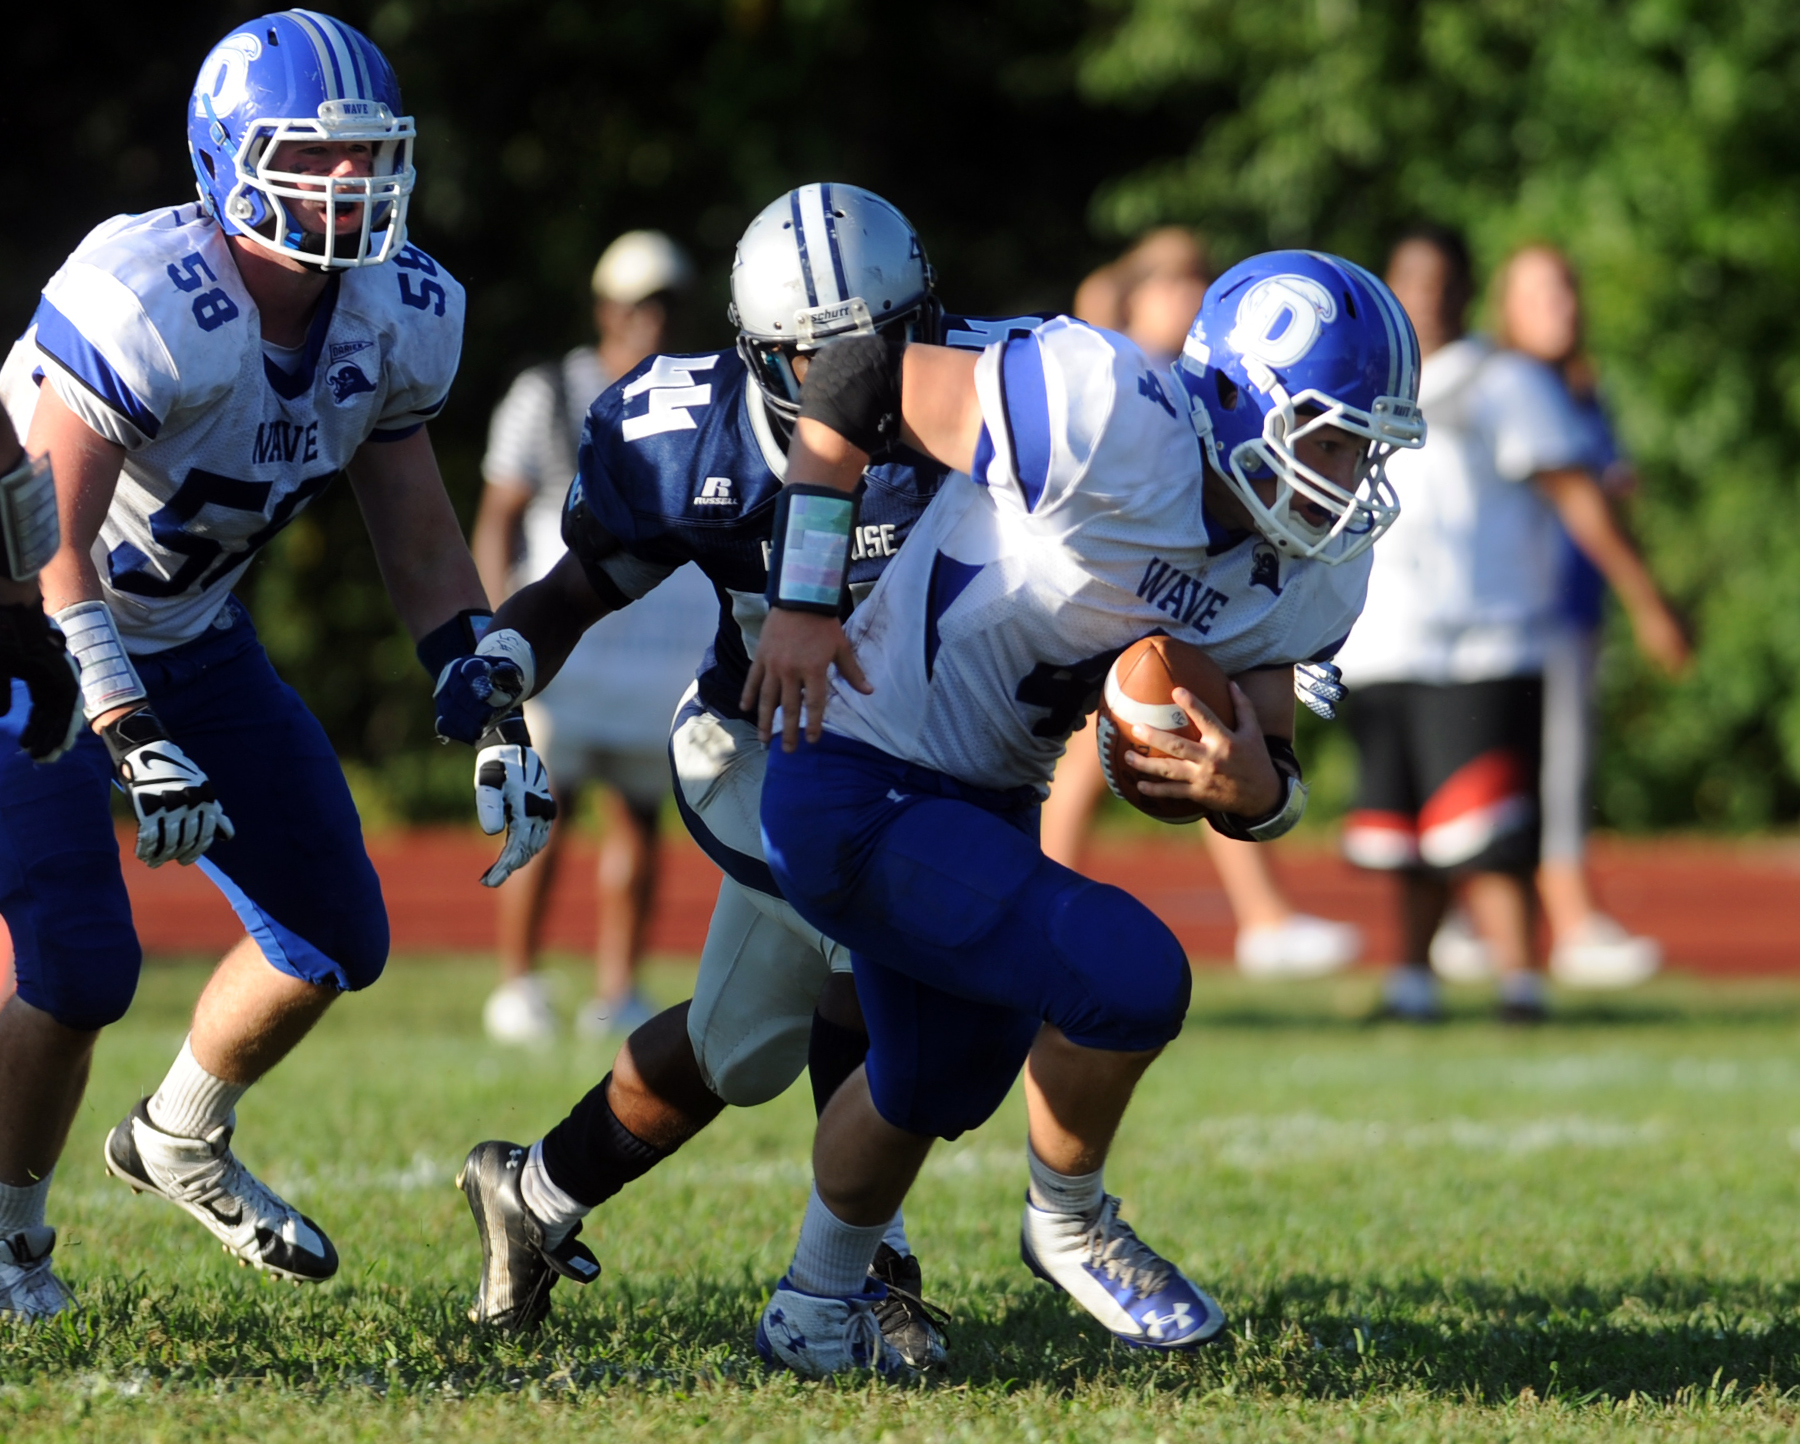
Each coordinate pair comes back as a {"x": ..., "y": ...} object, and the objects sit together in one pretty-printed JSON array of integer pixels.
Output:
[{"x": 1178, "y": 1321}]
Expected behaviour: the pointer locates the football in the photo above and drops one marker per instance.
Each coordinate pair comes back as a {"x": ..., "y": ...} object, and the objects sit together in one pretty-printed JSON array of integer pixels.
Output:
[{"x": 1140, "y": 689}]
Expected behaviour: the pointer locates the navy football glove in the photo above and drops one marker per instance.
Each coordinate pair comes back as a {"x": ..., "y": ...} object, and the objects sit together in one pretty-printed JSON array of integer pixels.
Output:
[
  {"x": 475, "y": 692},
  {"x": 1320, "y": 685}
]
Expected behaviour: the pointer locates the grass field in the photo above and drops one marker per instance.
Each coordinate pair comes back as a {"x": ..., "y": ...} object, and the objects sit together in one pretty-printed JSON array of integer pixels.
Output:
[{"x": 1587, "y": 1231}]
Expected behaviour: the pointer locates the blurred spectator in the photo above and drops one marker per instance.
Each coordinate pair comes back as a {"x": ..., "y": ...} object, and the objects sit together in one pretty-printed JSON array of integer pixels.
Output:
[
  {"x": 1537, "y": 310},
  {"x": 1152, "y": 294},
  {"x": 1446, "y": 663},
  {"x": 605, "y": 719}
]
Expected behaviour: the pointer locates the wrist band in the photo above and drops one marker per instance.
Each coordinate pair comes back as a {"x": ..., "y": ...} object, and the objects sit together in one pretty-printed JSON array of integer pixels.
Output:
[
  {"x": 509, "y": 730},
  {"x": 458, "y": 637},
  {"x": 28, "y": 517},
  {"x": 809, "y": 555},
  {"x": 1271, "y": 825},
  {"x": 134, "y": 729},
  {"x": 108, "y": 679}
]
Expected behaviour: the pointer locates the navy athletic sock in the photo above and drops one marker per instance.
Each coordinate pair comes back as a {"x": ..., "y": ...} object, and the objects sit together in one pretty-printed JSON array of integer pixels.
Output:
[
  {"x": 590, "y": 1155},
  {"x": 833, "y": 1053}
]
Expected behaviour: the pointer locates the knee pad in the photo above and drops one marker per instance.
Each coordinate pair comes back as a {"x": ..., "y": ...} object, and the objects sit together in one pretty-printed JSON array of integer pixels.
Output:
[
  {"x": 76, "y": 954},
  {"x": 754, "y": 1066},
  {"x": 1131, "y": 971}
]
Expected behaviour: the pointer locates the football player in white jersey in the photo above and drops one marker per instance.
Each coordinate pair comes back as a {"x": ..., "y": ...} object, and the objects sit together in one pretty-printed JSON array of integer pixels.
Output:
[
  {"x": 196, "y": 375},
  {"x": 1230, "y": 503}
]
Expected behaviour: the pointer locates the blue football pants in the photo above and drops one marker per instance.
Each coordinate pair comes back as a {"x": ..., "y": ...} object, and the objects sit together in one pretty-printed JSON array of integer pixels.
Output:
[
  {"x": 296, "y": 873},
  {"x": 965, "y": 936}
]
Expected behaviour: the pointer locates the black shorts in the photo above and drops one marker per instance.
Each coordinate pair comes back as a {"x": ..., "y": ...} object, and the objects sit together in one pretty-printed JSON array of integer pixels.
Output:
[{"x": 1449, "y": 775}]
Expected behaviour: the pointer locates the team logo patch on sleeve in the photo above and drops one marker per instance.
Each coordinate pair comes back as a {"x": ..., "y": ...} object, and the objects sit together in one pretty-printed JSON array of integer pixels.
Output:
[{"x": 346, "y": 380}]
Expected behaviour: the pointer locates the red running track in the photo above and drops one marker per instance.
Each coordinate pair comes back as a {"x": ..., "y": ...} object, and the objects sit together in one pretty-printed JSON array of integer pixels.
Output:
[{"x": 1720, "y": 907}]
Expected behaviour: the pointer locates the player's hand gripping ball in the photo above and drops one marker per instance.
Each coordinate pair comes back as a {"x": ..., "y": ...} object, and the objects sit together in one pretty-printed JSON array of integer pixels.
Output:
[{"x": 1140, "y": 689}]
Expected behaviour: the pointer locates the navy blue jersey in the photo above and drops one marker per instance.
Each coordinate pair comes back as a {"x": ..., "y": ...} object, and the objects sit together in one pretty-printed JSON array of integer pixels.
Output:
[{"x": 680, "y": 462}]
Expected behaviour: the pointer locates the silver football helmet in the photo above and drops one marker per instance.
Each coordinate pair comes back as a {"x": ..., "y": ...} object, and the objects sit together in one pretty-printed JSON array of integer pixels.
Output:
[{"x": 825, "y": 261}]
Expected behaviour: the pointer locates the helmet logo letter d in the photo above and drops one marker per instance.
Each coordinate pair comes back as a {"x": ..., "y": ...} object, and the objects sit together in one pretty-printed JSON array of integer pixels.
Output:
[{"x": 1281, "y": 318}]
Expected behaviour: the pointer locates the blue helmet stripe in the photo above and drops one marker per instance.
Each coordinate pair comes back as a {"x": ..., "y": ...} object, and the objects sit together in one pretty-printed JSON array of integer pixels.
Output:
[
  {"x": 812, "y": 293},
  {"x": 837, "y": 256},
  {"x": 819, "y": 244},
  {"x": 329, "y": 77}
]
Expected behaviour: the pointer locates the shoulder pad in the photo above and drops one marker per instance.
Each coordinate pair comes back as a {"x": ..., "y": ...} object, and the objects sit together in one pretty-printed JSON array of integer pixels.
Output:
[{"x": 147, "y": 314}]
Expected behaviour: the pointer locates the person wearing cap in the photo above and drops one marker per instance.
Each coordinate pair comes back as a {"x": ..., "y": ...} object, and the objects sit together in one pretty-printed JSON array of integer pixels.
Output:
[{"x": 605, "y": 719}]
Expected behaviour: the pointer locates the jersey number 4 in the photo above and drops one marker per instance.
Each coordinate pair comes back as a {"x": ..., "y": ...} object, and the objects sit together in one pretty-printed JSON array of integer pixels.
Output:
[{"x": 204, "y": 561}]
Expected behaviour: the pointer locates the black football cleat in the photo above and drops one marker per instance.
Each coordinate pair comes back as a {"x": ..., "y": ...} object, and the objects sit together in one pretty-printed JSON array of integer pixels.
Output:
[
  {"x": 913, "y": 1327},
  {"x": 517, "y": 1270}
]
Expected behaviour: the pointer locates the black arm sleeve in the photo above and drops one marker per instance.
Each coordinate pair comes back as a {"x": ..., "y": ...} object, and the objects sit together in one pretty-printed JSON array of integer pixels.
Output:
[{"x": 853, "y": 386}]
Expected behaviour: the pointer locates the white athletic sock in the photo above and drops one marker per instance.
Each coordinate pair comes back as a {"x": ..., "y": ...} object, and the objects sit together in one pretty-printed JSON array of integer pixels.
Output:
[
  {"x": 22, "y": 1205},
  {"x": 833, "y": 1257},
  {"x": 895, "y": 1237},
  {"x": 549, "y": 1205},
  {"x": 191, "y": 1102},
  {"x": 1078, "y": 1195}
]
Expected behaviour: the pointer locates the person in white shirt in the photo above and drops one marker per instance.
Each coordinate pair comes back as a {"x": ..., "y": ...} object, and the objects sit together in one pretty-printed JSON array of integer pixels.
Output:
[
  {"x": 606, "y": 719},
  {"x": 1446, "y": 663}
]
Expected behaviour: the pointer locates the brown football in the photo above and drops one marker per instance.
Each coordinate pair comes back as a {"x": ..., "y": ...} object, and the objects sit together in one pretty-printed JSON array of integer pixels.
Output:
[{"x": 1140, "y": 689}]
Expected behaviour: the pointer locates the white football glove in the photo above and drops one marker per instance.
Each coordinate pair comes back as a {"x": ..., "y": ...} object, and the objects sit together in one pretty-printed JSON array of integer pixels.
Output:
[
  {"x": 1320, "y": 685},
  {"x": 178, "y": 813},
  {"x": 512, "y": 792}
]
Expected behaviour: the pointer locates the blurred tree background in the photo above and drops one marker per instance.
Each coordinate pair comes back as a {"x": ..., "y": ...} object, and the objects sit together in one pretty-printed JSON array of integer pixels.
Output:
[{"x": 1029, "y": 139}]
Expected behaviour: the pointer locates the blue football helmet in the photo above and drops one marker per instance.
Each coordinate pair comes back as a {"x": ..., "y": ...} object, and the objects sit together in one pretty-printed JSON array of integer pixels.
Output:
[
  {"x": 300, "y": 76},
  {"x": 1287, "y": 343}
]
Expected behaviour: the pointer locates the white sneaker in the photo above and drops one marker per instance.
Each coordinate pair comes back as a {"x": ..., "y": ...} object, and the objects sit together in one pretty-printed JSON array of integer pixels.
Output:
[
  {"x": 1604, "y": 955},
  {"x": 1099, "y": 1262},
  {"x": 1458, "y": 953},
  {"x": 818, "y": 1336},
  {"x": 204, "y": 1178},
  {"x": 599, "y": 1017},
  {"x": 28, "y": 1288},
  {"x": 1411, "y": 994},
  {"x": 518, "y": 1011},
  {"x": 1301, "y": 947}
]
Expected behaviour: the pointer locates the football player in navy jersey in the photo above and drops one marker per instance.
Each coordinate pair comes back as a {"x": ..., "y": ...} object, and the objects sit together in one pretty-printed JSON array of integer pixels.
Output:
[
  {"x": 196, "y": 375},
  {"x": 683, "y": 461}
]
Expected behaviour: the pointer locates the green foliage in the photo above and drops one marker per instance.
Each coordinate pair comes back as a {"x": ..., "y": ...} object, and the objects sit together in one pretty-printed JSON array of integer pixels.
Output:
[
  {"x": 1656, "y": 142},
  {"x": 1463, "y": 1232}
]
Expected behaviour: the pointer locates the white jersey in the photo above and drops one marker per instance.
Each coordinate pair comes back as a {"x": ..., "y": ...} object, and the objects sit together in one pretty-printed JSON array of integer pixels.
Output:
[
  {"x": 1465, "y": 585},
  {"x": 1081, "y": 530},
  {"x": 148, "y": 335}
]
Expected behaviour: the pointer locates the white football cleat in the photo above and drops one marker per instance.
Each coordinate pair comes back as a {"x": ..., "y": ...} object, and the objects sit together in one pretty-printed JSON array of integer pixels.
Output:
[
  {"x": 1604, "y": 955},
  {"x": 518, "y": 1011},
  {"x": 28, "y": 1288},
  {"x": 1099, "y": 1262},
  {"x": 818, "y": 1336},
  {"x": 204, "y": 1178},
  {"x": 1301, "y": 947},
  {"x": 1458, "y": 953}
]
